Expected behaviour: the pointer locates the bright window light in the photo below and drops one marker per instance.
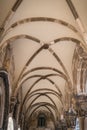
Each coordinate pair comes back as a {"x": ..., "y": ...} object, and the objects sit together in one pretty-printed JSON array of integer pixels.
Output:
[
  {"x": 19, "y": 128},
  {"x": 77, "y": 124},
  {"x": 10, "y": 124}
]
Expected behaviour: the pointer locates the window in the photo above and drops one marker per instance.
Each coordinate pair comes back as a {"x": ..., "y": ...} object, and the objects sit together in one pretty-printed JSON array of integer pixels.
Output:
[
  {"x": 41, "y": 120},
  {"x": 77, "y": 124},
  {"x": 19, "y": 128},
  {"x": 10, "y": 124}
]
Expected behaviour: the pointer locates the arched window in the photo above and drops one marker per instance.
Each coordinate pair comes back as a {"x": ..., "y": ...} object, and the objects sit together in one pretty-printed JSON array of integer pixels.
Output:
[
  {"x": 19, "y": 128},
  {"x": 10, "y": 124},
  {"x": 41, "y": 120},
  {"x": 77, "y": 124}
]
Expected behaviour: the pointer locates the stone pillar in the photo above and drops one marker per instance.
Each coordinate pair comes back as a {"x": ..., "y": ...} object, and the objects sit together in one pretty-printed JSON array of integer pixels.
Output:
[
  {"x": 81, "y": 122},
  {"x": 85, "y": 123}
]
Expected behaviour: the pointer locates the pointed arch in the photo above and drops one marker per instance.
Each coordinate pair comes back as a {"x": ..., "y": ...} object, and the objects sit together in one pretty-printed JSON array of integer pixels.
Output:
[
  {"x": 48, "y": 91},
  {"x": 25, "y": 36},
  {"x": 46, "y": 106},
  {"x": 43, "y": 19},
  {"x": 45, "y": 102},
  {"x": 40, "y": 105},
  {"x": 41, "y": 77}
]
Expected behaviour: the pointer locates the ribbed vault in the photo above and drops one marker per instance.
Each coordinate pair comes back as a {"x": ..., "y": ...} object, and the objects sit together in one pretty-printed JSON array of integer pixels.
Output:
[{"x": 44, "y": 40}]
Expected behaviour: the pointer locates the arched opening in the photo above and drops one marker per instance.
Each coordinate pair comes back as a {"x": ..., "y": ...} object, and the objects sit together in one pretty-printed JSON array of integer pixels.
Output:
[
  {"x": 10, "y": 123},
  {"x": 77, "y": 124},
  {"x": 41, "y": 120}
]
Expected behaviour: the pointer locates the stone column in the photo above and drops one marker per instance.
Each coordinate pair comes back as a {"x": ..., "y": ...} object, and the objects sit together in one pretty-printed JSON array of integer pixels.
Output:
[
  {"x": 81, "y": 122},
  {"x": 85, "y": 123}
]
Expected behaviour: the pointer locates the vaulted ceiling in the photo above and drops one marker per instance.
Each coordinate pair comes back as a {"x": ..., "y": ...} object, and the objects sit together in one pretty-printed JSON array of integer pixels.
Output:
[{"x": 44, "y": 37}]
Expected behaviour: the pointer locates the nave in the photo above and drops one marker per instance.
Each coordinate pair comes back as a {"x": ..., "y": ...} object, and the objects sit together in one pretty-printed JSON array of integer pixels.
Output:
[{"x": 43, "y": 67}]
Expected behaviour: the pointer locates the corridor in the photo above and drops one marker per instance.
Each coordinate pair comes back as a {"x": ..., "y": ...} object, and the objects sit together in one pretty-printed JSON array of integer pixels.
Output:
[{"x": 43, "y": 65}]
